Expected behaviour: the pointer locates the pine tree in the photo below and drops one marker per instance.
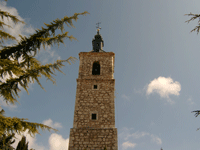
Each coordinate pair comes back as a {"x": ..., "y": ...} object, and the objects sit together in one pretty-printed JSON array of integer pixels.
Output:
[
  {"x": 5, "y": 142},
  {"x": 22, "y": 145},
  {"x": 29, "y": 68},
  {"x": 197, "y": 28}
]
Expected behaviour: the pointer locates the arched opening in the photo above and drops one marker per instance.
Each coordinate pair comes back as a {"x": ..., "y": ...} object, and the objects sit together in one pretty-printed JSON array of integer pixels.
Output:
[{"x": 96, "y": 68}]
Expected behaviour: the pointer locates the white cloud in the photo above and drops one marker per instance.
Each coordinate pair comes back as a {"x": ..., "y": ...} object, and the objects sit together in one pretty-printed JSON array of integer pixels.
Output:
[
  {"x": 9, "y": 105},
  {"x": 31, "y": 141},
  {"x": 18, "y": 28},
  {"x": 140, "y": 137},
  {"x": 128, "y": 144},
  {"x": 156, "y": 139},
  {"x": 47, "y": 56},
  {"x": 164, "y": 87},
  {"x": 136, "y": 135},
  {"x": 49, "y": 123},
  {"x": 57, "y": 142},
  {"x": 125, "y": 132}
]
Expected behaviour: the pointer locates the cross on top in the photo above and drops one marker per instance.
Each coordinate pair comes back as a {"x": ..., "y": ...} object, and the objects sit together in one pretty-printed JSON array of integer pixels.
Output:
[{"x": 98, "y": 25}]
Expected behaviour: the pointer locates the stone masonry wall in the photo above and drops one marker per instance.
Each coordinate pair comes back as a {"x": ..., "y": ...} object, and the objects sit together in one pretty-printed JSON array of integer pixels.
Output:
[
  {"x": 99, "y": 101},
  {"x": 106, "y": 61},
  {"x": 93, "y": 139},
  {"x": 88, "y": 133}
]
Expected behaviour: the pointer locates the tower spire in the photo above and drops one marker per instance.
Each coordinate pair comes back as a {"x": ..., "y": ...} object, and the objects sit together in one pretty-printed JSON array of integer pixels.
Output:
[{"x": 97, "y": 42}]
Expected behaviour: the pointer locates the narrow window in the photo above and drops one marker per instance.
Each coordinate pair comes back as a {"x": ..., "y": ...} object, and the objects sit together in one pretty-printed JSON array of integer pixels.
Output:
[
  {"x": 94, "y": 116},
  {"x": 95, "y": 86},
  {"x": 96, "y": 68}
]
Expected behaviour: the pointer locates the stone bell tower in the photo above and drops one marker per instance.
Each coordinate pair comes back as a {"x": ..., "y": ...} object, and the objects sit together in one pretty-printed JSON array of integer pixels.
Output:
[{"x": 94, "y": 114}]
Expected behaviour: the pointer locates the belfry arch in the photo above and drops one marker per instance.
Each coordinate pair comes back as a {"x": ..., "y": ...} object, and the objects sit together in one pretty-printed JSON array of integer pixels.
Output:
[{"x": 96, "y": 68}]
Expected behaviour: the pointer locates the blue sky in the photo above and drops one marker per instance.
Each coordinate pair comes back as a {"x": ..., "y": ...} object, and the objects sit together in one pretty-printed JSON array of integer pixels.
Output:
[{"x": 156, "y": 70}]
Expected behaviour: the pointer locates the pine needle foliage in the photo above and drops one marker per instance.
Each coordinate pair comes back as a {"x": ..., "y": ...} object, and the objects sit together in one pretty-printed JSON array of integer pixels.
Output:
[
  {"x": 22, "y": 145},
  {"x": 5, "y": 142},
  {"x": 29, "y": 68},
  {"x": 197, "y": 28},
  {"x": 3, "y": 34},
  {"x": 194, "y": 16}
]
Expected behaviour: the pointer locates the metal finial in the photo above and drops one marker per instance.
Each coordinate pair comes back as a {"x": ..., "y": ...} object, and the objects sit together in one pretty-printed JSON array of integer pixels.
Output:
[{"x": 98, "y": 26}]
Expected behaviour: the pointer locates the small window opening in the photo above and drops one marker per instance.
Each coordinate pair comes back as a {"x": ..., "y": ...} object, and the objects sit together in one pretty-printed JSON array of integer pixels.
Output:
[
  {"x": 96, "y": 68},
  {"x": 97, "y": 44},
  {"x": 94, "y": 116},
  {"x": 95, "y": 86}
]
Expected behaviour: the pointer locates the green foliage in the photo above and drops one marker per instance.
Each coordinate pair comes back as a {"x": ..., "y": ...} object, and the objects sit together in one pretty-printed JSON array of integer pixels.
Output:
[
  {"x": 22, "y": 145},
  {"x": 6, "y": 141},
  {"x": 29, "y": 68},
  {"x": 3, "y": 34}
]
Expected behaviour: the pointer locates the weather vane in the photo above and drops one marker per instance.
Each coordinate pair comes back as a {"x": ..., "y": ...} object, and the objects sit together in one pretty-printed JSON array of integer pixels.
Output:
[{"x": 98, "y": 26}]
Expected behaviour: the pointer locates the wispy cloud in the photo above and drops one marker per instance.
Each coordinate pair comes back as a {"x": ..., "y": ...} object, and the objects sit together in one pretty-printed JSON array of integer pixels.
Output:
[
  {"x": 164, "y": 87},
  {"x": 136, "y": 138},
  {"x": 156, "y": 139},
  {"x": 50, "y": 123},
  {"x": 9, "y": 105},
  {"x": 47, "y": 56},
  {"x": 190, "y": 101},
  {"x": 125, "y": 97},
  {"x": 137, "y": 135},
  {"x": 128, "y": 144},
  {"x": 18, "y": 28}
]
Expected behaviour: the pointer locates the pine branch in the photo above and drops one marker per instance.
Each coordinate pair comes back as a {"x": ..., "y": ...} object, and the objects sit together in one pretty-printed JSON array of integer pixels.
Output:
[
  {"x": 2, "y": 23},
  {"x": 29, "y": 68},
  {"x": 12, "y": 17},
  {"x": 197, "y": 112},
  {"x": 22, "y": 49},
  {"x": 195, "y": 16},
  {"x": 33, "y": 43},
  {"x": 14, "y": 124},
  {"x": 10, "y": 88},
  {"x": 5, "y": 35}
]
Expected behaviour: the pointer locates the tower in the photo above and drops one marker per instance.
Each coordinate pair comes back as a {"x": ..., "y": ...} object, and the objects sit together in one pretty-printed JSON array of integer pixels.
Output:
[{"x": 94, "y": 114}]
